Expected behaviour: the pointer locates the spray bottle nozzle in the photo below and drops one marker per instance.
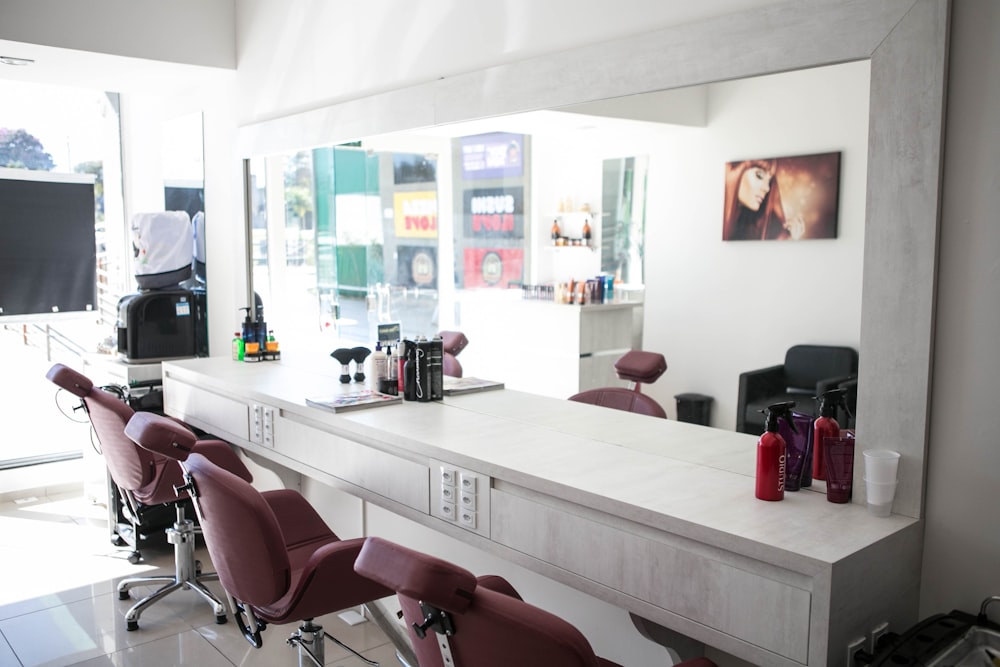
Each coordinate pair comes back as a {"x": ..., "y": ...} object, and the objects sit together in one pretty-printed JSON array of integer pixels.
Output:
[
  {"x": 832, "y": 399},
  {"x": 776, "y": 411}
]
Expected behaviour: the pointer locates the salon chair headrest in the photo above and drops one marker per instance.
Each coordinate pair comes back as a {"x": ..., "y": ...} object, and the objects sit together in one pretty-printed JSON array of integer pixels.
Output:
[
  {"x": 416, "y": 575},
  {"x": 161, "y": 435},
  {"x": 70, "y": 380},
  {"x": 453, "y": 342},
  {"x": 641, "y": 366}
]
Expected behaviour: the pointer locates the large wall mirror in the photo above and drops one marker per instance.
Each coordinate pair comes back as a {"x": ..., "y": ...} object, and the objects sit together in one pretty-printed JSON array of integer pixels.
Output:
[{"x": 902, "y": 44}]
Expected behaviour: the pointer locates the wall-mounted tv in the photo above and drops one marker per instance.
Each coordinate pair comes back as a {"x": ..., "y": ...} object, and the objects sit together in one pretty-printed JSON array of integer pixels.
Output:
[{"x": 48, "y": 253}]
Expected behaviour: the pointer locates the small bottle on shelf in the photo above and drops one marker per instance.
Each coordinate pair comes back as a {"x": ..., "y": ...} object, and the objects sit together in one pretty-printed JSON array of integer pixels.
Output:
[
  {"x": 555, "y": 231},
  {"x": 586, "y": 232}
]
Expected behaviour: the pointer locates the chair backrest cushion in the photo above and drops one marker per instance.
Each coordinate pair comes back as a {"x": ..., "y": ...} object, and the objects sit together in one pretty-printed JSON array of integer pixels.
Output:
[
  {"x": 805, "y": 365},
  {"x": 620, "y": 398},
  {"x": 242, "y": 533},
  {"x": 492, "y": 629}
]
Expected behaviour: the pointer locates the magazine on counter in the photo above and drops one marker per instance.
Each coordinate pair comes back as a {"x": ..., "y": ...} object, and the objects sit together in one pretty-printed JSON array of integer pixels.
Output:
[
  {"x": 468, "y": 385},
  {"x": 353, "y": 400}
]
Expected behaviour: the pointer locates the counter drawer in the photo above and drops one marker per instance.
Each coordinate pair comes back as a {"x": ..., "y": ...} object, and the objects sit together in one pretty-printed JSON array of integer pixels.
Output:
[
  {"x": 224, "y": 417},
  {"x": 379, "y": 472},
  {"x": 669, "y": 572}
]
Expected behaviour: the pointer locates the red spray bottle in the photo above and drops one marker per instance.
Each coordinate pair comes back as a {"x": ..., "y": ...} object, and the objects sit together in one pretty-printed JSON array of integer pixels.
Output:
[
  {"x": 826, "y": 426},
  {"x": 771, "y": 452}
]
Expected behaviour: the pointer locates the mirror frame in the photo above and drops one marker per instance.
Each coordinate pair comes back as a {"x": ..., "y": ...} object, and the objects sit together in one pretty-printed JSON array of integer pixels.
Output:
[{"x": 907, "y": 44}]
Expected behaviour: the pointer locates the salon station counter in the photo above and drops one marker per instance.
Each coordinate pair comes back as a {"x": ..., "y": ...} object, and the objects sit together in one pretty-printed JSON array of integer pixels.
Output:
[{"x": 656, "y": 517}]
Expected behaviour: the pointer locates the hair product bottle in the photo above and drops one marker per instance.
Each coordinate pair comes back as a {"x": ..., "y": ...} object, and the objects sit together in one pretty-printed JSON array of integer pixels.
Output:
[
  {"x": 410, "y": 372},
  {"x": 826, "y": 426},
  {"x": 771, "y": 453},
  {"x": 237, "y": 346},
  {"x": 380, "y": 368},
  {"x": 402, "y": 349}
]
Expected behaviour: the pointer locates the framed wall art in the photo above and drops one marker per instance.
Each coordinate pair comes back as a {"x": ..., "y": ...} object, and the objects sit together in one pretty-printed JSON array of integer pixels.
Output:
[{"x": 785, "y": 198}]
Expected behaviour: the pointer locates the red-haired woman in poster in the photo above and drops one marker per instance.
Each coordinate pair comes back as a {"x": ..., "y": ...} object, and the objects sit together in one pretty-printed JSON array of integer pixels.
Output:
[{"x": 753, "y": 204}]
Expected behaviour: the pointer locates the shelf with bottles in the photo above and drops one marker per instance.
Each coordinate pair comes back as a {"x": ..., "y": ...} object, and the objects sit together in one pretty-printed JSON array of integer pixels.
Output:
[{"x": 572, "y": 229}]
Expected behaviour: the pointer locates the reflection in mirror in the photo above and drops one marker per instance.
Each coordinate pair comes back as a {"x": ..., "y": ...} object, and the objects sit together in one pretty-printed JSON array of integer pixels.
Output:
[
  {"x": 183, "y": 170},
  {"x": 494, "y": 230},
  {"x": 623, "y": 217}
]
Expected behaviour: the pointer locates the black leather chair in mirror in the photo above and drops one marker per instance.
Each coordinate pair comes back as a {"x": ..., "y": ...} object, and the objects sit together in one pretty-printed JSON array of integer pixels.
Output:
[{"x": 807, "y": 372}]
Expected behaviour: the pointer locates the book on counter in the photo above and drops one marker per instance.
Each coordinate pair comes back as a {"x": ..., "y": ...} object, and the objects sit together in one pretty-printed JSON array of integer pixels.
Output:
[
  {"x": 468, "y": 385},
  {"x": 353, "y": 400}
]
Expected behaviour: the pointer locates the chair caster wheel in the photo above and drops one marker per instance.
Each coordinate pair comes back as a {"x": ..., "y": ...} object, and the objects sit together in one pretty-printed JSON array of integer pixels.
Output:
[
  {"x": 197, "y": 568},
  {"x": 132, "y": 625},
  {"x": 134, "y": 557},
  {"x": 123, "y": 595},
  {"x": 221, "y": 620}
]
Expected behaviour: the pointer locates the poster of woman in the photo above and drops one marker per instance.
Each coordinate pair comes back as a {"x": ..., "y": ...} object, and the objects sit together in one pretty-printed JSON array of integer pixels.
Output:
[{"x": 786, "y": 198}]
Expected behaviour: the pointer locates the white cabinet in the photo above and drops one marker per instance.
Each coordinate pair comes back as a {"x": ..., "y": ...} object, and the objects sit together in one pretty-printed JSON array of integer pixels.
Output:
[{"x": 546, "y": 348}]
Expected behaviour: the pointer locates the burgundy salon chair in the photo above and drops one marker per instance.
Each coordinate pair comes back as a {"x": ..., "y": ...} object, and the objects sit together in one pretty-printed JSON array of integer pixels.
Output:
[
  {"x": 458, "y": 620},
  {"x": 145, "y": 481},
  {"x": 277, "y": 559},
  {"x": 635, "y": 366},
  {"x": 453, "y": 342}
]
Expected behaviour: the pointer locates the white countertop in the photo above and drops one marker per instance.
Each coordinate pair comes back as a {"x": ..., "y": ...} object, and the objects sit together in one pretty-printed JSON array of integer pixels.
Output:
[{"x": 687, "y": 479}]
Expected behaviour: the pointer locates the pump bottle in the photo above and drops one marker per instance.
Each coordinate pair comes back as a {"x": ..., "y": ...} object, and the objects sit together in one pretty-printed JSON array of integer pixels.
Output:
[
  {"x": 826, "y": 426},
  {"x": 771, "y": 452},
  {"x": 380, "y": 369}
]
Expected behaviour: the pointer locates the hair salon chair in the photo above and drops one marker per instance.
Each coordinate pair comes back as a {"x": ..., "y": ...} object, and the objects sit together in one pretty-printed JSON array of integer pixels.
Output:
[
  {"x": 452, "y": 342},
  {"x": 807, "y": 372},
  {"x": 458, "y": 620},
  {"x": 277, "y": 559},
  {"x": 145, "y": 481},
  {"x": 638, "y": 367}
]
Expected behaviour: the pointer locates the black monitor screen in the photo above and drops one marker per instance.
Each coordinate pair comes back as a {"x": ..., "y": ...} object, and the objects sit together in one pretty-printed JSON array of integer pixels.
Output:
[{"x": 48, "y": 255}]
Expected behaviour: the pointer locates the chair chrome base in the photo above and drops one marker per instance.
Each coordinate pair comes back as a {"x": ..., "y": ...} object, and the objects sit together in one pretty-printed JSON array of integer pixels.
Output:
[
  {"x": 187, "y": 575},
  {"x": 309, "y": 640}
]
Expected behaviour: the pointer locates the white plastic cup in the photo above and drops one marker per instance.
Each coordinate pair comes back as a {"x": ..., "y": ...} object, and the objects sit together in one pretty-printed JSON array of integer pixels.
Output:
[
  {"x": 881, "y": 465},
  {"x": 879, "y": 496}
]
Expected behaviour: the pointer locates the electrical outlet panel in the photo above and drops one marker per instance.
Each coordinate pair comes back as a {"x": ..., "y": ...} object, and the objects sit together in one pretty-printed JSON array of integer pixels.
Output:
[
  {"x": 262, "y": 425},
  {"x": 853, "y": 647},
  {"x": 461, "y": 497}
]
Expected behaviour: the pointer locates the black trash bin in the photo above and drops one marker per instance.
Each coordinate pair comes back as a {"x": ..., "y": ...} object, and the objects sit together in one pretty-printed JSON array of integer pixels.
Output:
[{"x": 694, "y": 408}]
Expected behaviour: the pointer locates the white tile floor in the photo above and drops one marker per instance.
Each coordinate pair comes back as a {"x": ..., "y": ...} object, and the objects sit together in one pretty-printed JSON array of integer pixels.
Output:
[{"x": 59, "y": 605}]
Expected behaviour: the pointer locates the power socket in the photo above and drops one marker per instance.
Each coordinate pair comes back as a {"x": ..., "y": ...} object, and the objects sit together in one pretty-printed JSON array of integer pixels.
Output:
[
  {"x": 877, "y": 633},
  {"x": 853, "y": 647}
]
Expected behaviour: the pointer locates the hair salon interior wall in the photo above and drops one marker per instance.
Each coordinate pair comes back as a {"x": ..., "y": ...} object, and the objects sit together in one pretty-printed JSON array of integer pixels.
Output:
[{"x": 718, "y": 308}]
